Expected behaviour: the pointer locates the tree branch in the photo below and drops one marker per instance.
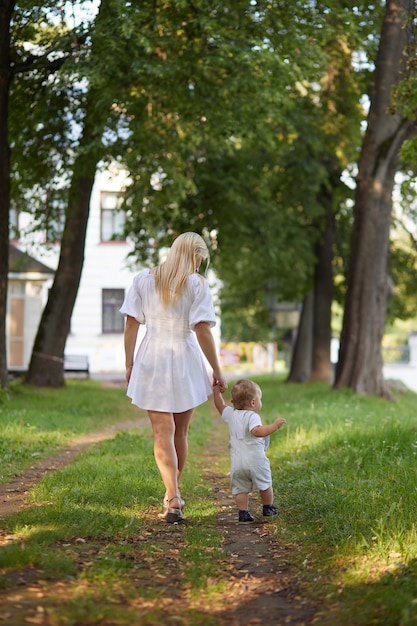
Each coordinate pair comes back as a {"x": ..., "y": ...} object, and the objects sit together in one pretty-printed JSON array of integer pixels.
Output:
[{"x": 35, "y": 62}]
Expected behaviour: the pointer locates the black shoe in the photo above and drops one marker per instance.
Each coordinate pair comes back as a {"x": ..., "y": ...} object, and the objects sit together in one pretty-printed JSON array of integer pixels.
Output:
[
  {"x": 269, "y": 510},
  {"x": 245, "y": 516}
]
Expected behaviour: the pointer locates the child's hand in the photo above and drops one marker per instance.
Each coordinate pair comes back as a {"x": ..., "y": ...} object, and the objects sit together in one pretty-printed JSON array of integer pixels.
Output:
[
  {"x": 219, "y": 384},
  {"x": 280, "y": 421},
  {"x": 217, "y": 396}
]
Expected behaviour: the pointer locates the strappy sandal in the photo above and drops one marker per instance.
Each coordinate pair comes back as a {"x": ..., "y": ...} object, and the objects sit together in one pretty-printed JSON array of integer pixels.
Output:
[
  {"x": 172, "y": 515},
  {"x": 165, "y": 505}
]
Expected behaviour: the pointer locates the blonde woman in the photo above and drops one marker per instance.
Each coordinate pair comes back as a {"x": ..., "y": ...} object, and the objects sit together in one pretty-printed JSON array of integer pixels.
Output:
[{"x": 168, "y": 377}]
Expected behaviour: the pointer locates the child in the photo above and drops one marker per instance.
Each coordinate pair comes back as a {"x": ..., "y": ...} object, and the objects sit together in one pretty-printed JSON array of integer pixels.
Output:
[{"x": 249, "y": 438}]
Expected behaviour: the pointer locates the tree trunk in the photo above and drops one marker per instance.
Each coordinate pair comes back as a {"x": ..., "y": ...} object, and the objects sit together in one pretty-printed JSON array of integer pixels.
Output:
[
  {"x": 321, "y": 367},
  {"x": 360, "y": 359},
  {"x": 6, "y": 11},
  {"x": 301, "y": 357},
  {"x": 47, "y": 361}
]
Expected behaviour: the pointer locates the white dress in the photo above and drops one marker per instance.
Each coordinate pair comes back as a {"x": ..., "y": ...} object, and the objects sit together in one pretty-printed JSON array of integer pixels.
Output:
[{"x": 169, "y": 371}]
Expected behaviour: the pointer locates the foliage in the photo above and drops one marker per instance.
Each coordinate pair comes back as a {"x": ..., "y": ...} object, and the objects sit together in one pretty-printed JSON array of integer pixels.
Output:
[
  {"x": 230, "y": 118},
  {"x": 403, "y": 264},
  {"x": 283, "y": 122},
  {"x": 46, "y": 103}
]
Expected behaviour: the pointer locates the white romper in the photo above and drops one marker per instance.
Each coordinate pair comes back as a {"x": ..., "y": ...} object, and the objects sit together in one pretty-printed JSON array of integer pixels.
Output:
[
  {"x": 250, "y": 467},
  {"x": 169, "y": 372}
]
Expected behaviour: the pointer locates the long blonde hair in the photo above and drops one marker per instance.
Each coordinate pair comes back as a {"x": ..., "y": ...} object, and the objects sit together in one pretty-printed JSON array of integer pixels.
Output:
[{"x": 171, "y": 277}]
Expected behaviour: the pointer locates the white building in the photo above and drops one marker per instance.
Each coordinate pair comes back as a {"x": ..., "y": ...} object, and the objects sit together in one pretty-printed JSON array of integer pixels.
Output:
[
  {"x": 96, "y": 324},
  {"x": 27, "y": 280}
]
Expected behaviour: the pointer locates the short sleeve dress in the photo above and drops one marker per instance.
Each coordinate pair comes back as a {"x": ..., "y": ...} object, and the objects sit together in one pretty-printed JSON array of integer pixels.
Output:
[{"x": 169, "y": 373}]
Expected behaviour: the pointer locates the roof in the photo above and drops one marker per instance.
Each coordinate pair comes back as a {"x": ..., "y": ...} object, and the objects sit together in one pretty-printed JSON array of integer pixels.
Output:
[{"x": 22, "y": 263}]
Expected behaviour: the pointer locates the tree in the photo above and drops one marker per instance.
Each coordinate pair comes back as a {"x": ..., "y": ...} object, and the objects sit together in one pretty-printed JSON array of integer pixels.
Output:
[
  {"x": 215, "y": 111},
  {"x": 46, "y": 364},
  {"x": 156, "y": 88},
  {"x": 45, "y": 55},
  {"x": 259, "y": 186},
  {"x": 6, "y": 10},
  {"x": 368, "y": 288}
]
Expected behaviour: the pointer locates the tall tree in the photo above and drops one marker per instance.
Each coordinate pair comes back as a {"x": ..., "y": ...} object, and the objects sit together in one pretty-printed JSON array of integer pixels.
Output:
[
  {"x": 34, "y": 46},
  {"x": 360, "y": 362},
  {"x": 6, "y": 10},
  {"x": 153, "y": 77},
  {"x": 46, "y": 364}
]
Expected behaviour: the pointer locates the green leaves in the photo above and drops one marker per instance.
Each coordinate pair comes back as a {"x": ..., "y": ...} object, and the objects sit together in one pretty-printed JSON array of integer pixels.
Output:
[{"x": 230, "y": 118}]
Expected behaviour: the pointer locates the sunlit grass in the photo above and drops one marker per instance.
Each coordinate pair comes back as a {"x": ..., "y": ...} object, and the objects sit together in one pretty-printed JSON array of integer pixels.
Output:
[
  {"x": 36, "y": 422},
  {"x": 345, "y": 479},
  {"x": 345, "y": 476}
]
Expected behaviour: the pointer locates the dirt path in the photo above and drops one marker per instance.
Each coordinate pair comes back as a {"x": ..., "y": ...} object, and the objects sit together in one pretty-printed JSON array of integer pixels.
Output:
[
  {"x": 13, "y": 494},
  {"x": 264, "y": 588}
]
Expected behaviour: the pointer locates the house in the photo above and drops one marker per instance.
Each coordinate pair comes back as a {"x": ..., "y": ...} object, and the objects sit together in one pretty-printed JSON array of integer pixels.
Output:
[
  {"x": 96, "y": 324},
  {"x": 28, "y": 279}
]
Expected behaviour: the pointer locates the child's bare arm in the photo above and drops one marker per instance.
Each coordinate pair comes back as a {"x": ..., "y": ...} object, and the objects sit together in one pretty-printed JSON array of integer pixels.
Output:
[
  {"x": 219, "y": 403},
  {"x": 268, "y": 429}
]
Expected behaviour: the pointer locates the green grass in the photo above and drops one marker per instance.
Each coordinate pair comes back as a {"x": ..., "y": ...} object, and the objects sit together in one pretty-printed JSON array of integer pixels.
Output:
[
  {"x": 36, "y": 422},
  {"x": 345, "y": 474},
  {"x": 345, "y": 479}
]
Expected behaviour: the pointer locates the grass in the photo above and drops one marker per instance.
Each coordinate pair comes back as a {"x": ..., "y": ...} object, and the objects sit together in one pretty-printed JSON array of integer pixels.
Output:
[
  {"x": 345, "y": 478},
  {"x": 36, "y": 422}
]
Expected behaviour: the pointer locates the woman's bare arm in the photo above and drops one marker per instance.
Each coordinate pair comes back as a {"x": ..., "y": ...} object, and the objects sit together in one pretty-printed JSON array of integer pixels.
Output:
[
  {"x": 130, "y": 336},
  {"x": 206, "y": 341}
]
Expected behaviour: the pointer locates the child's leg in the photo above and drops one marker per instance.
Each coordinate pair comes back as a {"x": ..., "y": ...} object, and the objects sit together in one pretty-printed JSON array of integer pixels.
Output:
[
  {"x": 242, "y": 501},
  {"x": 267, "y": 496},
  {"x": 268, "y": 508}
]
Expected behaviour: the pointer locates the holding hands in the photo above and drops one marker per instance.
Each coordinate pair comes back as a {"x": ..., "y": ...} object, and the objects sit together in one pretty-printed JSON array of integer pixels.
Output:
[{"x": 219, "y": 382}]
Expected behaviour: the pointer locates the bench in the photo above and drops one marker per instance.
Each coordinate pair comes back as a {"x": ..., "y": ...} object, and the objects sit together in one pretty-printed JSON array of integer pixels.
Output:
[{"x": 77, "y": 364}]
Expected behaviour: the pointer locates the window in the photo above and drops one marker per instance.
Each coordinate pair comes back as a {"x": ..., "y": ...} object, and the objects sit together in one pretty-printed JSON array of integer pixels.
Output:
[
  {"x": 54, "y": 214},
  {"x": 112, "y": 319},
  {"x": 112, "y": 216}
]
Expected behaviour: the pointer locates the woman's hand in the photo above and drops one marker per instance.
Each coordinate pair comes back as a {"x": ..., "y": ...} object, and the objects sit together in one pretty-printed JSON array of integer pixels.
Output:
[
  {"x": 220, "y": 381},
  {"x": 128, "y": 373}
]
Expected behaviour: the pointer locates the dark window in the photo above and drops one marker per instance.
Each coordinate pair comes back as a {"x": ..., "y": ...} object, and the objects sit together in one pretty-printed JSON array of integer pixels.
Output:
[
  {"x": 112, "y": 319},
  {"x": 112, "y": 216},
  {"x": 54, "y": 215}
]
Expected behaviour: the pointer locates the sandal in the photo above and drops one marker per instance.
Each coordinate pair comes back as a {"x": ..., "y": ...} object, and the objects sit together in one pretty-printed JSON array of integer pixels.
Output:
[
  {"x": 172, "y": 515},
  {"x": 165, "y": 505}
]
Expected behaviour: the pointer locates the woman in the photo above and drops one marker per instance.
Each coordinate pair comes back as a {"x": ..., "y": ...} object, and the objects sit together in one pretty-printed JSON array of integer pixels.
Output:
[{"x": 168, "y": 376}]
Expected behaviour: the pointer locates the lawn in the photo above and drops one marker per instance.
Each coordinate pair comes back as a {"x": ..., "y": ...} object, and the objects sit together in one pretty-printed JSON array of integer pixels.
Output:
[{"x": 344, "y": 469}]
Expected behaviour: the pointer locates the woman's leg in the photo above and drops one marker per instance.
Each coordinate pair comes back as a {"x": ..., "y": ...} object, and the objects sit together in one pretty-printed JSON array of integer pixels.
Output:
[
  {"x": 163, "y": 427},
  {"x": 182, "y": 423}
]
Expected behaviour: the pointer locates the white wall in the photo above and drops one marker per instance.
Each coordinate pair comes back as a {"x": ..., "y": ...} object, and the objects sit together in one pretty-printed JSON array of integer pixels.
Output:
[{"x": 106, "y": 266}]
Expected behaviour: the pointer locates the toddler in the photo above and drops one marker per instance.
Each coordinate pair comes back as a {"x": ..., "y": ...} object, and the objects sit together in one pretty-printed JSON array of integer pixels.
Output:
[{"x": 249, "y": 438}]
